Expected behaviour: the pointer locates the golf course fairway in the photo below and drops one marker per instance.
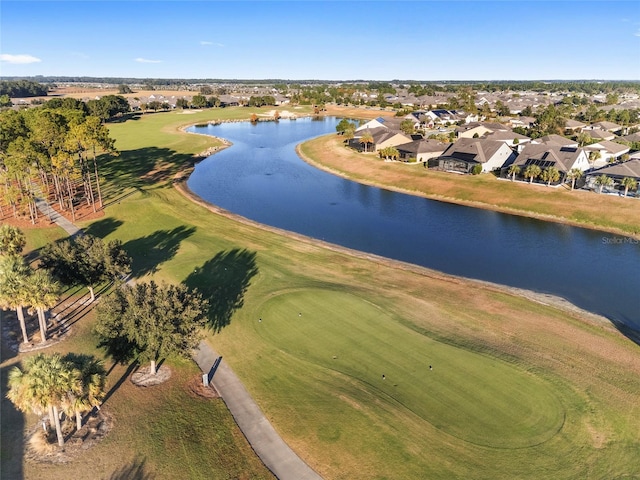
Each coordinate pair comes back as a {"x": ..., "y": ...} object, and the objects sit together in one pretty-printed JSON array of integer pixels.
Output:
[{"x": 473, "y": 397}]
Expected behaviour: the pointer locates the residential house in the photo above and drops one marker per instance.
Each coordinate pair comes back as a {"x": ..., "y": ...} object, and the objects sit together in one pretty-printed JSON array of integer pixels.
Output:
[
  {"x": 563, "y": 158},
  {"x": 478, "y": 129},
  {"x": 382, "y": 138},
  {"x": 599, "y": 134},
  {"x": 229, "y": 101},
  {"x": 616, "y": 172},
  {"x": 389, "y": 123},
  {"x": 449, "y": 117},
  {"x": 607, "y": 126},
  {"x": 609, "y": 152},
  {"x": 463, "y": 155},
  {"x": 633, "y": 137},
  {"x": 557, "y": 140},
  {"x": 524, "y": 122},
  {"x": 422, "y": 150},
  {"x": 573, "y": 126},
  {"x": 512, "y": 139}
]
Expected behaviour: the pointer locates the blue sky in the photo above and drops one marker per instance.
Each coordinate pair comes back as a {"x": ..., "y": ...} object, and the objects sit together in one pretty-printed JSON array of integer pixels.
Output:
[{"x": 327, "y": 40}]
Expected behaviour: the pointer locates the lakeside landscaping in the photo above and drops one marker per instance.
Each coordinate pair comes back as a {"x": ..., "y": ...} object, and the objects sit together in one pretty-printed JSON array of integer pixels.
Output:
[
  {"x": 516, "y": 389},
  {"x": 580, "y": 208}
]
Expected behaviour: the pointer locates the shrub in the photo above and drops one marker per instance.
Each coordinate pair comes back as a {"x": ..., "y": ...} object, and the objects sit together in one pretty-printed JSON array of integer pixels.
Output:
[{"x": 477, "y": 169}]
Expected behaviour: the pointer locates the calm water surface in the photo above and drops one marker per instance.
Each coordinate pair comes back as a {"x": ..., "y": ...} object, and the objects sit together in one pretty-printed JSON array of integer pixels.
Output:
[{"x": 262, "y": 178}]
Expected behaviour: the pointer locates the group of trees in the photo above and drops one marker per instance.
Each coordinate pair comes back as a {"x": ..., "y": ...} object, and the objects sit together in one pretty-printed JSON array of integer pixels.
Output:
[
  {"x": 108, "y": 107},
  {"x": 551, "y": 175},
  {"x": 86, "y": 261},
  {"x": 199, "y": 101},
  {"x": 261, "y": 101},
  {"x": 389, "y": 153},
  {"x": 23, "y": 287},
  {"x": 54, "y": 384},
  {"x": 51, "y": 152},
  {"x": 23, "y": 88},
  {"x": 627, "y": 183}
]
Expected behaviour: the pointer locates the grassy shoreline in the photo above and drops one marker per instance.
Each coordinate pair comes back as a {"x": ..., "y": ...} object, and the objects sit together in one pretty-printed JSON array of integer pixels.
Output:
[
  {"x": 585, "y": 209},
  {"x": 332, "y": 406}
]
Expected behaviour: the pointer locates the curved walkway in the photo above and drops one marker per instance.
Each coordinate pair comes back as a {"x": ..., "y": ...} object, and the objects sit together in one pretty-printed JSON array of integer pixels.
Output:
[{"x": 265, "y": 441}]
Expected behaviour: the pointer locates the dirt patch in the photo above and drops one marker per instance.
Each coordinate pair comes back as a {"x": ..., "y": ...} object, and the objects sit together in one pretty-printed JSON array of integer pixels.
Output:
[
  {"x": 42, "y": 447},
  {"x": 195, "y": 387},
  {"x": 143, "y": 377}
]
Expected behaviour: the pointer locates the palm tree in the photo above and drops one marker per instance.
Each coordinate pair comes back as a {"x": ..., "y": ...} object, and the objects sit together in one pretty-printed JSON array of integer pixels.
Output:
[
  {"x": 551, "y": 174},
  {"x": 513, "y": 171},
  {"x": 593, "y": 156},
  {"x": 603, "y": 181},
  {"x": 92, "y": 391},
  {"x": 41, "y": 293},
  {"x": 12, "y": 240},
  {"x": 393, "y": 153},
  {"x": 628, "y": 183},
  {"x": 531, "y": 172},
  {"x": 14, "y": 273},
  {"x": 43, "y": 386},
  {"x": 366, "y": 139},
  {"x": 574, "y": 174},
  {"x": 349, "y": 133}
]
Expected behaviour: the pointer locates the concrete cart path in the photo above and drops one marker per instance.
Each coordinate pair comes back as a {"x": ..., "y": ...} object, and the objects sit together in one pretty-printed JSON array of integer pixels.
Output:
[
  {"x": 265, "y": 441},
  {"x": 54, "y": 216}
]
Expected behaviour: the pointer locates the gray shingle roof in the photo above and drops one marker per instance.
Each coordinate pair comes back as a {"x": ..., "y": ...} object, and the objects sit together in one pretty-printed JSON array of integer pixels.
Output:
[
  {"x": 554, "y": 139},
  {"x": 609, "y": 126},
  {"x": 545, "y": 155},
  {"x": 423, "y": 146},
  {"x": 624, "y": 169},
  {"x": 473, "y": 149},
  {"x": 609, "y": 146}
]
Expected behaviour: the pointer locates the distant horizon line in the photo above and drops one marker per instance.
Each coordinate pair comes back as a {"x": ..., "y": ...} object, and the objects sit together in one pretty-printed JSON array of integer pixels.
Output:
[{"x": 105, "y": 79}]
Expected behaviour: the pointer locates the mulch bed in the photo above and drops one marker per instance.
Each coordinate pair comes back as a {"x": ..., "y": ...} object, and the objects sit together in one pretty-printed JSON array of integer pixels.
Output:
[
  {"x": 43, "y": 448},
  {"x": 143, "y": 377},
  {"x": 195, "y": 387}
]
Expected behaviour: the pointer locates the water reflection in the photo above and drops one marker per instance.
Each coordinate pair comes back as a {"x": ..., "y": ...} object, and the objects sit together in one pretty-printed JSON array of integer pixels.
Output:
[{"x": 262, "y": 178}]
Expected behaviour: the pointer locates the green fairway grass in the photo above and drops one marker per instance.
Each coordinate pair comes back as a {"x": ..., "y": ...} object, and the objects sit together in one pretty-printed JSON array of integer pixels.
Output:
[
  {"x": 517, "y": 390},
  {"x": 473, "y": 397}
]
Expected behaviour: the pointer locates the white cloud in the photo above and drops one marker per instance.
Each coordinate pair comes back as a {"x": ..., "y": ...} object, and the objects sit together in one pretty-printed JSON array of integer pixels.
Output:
[
  {"x": 146, "y": 60},
  {"x": 203, "y": 42},
  {"x": 637, "y": 34},
  {"x": 18, "y": 59}
]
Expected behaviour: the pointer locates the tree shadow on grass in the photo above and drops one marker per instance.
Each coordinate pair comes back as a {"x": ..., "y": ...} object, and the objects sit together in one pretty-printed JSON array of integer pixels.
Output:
[
  {"x": 134, "y": 470},
  {"x": 140, "y": 168},
  {"x": 133, "y": 366},
  {"x": 12, "y": 447},
  {"x": 223, "y": 280},
  {"x": 104, "y": 227},
  {"x": 150, "y": 251}
]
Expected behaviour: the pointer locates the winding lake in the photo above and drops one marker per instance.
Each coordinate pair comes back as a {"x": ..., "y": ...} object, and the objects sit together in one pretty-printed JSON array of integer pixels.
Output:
[{"x": 262, "y": 178}]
